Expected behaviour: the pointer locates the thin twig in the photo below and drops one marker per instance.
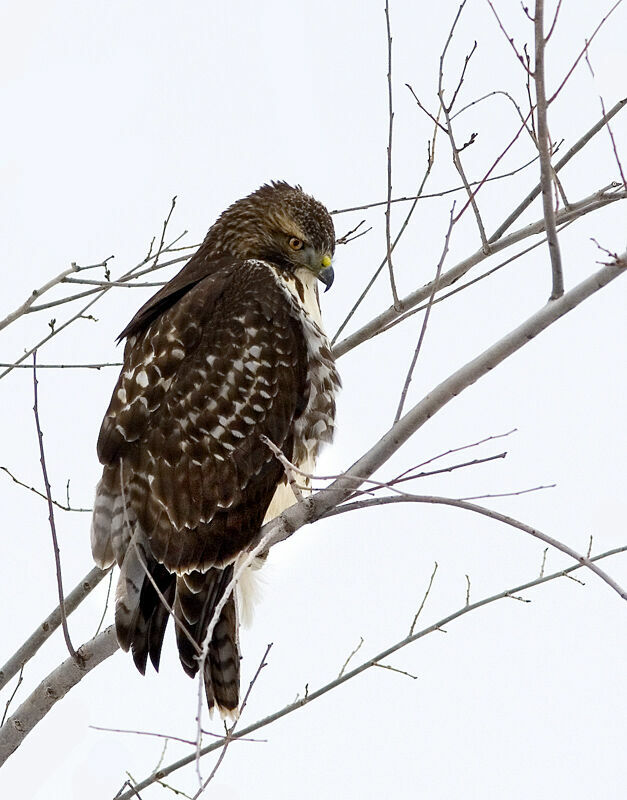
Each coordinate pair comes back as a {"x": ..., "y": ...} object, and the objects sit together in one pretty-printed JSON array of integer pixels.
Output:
[
  {"x": 396, "y": 669},
  {"x": 99, "y": 292},
  {"x": 26, "y": 305},
  {"x": 381, "y": 322},
  {"x": 350, "y": 656},
  {"x": 609, "y": 129},
  {"x": 229, "y": 735},
  {"x": 362, "y": 296},
  {"x": 312, "y": 696},
  {"x": 424, "y": 599},
  {"x": 53, "y": 530},
  {"x": 579, "y": 145},
  {"x": 111, "y": 285},
  {"x": 13, "y": 693},
  {"x": 32, "y": 489},
  {"x": 348, "y": 237},
  {"x": 455, "y": 150},
  {"x": 431, "y": 195},
  {"x": 388, "y": 238},
  {"x": 487, "y": 512},
  {"x": 106, "y": 605},
  {"x": 583, "y": 51},
  {"x": 425, "y": 320},
  {"x": 459, "y": 449},
  {"x": 63, "y": 366},
  {"x": 546, "y": 173},
  {"x": 166, "y": 736},
  {"x": 289, "y": 468}
]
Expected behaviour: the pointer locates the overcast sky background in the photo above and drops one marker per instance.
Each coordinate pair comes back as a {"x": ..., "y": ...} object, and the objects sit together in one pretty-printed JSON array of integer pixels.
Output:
[{"x": 112, "y": 108}]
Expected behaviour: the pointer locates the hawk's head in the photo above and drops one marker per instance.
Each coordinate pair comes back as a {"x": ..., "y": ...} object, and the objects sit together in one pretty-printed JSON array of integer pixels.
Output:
[{"x": 277, "y": 223}]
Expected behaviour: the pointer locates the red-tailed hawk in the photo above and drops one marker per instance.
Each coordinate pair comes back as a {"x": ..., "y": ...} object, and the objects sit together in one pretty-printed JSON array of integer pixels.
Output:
[{"x": 231, "y": 349}]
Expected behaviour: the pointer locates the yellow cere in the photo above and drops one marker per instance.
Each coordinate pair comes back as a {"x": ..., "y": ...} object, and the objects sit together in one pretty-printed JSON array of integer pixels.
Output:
[{"x": 326, "y": 261}]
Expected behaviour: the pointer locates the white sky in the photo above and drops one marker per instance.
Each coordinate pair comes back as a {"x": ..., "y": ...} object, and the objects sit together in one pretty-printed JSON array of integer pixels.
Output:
[{"x": 112, "y": 108}]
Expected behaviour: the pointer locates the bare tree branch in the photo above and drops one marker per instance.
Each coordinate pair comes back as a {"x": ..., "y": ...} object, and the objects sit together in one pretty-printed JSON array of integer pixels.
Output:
[
  {"x": 321, "y": 502},
  {"x": 53, "y": 529},
  {"x": 43, "y": 631},
  {"x": 52, "y": 689},
  {"x": 546, "y": 174},
  {"x": 579, "y": 144},
  {"x": 27, "y": 304},
  {"x": 388, "y": 238},
  {"x": 383, "y": 320},
  {"x": 486, "y": 512},
  {"x": 425, "y": 321},
  {"x": 347, "y": 676}
]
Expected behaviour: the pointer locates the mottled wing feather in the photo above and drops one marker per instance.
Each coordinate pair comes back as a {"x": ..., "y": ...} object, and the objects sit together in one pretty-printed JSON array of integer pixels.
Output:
[
  {"x": 197, "y": 269},
  {"x": 225, "y": 364}
]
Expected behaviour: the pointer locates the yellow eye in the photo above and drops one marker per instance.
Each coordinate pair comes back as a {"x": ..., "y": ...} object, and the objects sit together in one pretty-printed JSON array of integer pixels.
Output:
[{"x": 296, "y": 244}]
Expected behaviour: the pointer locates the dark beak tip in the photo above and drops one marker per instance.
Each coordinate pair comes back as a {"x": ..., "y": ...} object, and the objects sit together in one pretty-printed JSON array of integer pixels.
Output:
[{"x": 327, "y": 276}]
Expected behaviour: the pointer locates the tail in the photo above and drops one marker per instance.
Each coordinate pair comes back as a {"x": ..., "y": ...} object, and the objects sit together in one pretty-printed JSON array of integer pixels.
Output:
[
  {"x": 141, "y": 616},
  {"x": 197, "y": 595},
  {"x": 141, "y": 619}
]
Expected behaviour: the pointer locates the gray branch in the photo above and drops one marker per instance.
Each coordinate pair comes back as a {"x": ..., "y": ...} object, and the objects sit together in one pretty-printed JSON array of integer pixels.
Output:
[
  {"x": 54, "y": 688},
  {"x": 576, "y": 210},
  {"x": 49, "y": 625}
]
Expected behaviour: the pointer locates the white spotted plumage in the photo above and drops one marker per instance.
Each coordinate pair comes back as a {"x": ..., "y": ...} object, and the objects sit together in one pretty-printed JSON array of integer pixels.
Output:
[{"x": 231, "y": 350}]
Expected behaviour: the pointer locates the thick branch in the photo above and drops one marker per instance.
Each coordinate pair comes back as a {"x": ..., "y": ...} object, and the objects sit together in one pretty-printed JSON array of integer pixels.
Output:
[
  {"x": 50, "y": 625},
  {"x": 314, "y": 507},
  {"x": 52, "y": 689},
  {"x": 317, "y": 505}
]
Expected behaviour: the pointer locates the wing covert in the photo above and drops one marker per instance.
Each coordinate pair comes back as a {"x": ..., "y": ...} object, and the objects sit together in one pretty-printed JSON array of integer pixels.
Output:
[{"x": 225, "y": 364}]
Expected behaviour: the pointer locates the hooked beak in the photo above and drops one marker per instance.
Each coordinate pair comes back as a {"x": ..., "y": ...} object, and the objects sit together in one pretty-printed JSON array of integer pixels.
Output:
[{"x": 326, "y": 274}]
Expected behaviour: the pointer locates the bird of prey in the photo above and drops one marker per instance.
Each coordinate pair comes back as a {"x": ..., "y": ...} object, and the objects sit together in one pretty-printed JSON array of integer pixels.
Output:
[{"x": 231, "y": 350}]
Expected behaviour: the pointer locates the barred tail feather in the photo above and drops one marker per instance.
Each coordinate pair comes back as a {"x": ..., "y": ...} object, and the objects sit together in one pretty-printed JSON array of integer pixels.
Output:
[
  {"x": 141, "y": 617},
  {"x": 197, "y": 595},
  {"x": 113, "y": 521},
  {"x": 101, "y": 525}
]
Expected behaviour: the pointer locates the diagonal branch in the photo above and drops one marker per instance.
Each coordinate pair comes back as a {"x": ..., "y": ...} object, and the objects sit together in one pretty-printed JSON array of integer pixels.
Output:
[
  {"x": 383, "y": 320},
  {"x": 372, "y": 662},
  {"x": 45, "y": 630},
  {"x": 304, "y": 513},
  {"x": 579, "y": 144},
  {"x": 425, "y": 321},
  {"x": 52, "y": 689}
]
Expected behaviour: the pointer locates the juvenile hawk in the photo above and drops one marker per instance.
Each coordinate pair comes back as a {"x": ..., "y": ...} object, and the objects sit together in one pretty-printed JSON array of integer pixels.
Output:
[{"x": 230, "y": 349}]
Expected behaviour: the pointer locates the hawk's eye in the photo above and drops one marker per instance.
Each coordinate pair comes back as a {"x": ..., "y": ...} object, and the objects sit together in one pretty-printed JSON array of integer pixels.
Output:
[{"x": 296, "y": 244}]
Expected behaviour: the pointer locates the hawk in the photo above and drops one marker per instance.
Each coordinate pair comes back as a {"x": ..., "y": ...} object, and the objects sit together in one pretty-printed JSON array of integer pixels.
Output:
[{"x": 232, "y": 349}]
